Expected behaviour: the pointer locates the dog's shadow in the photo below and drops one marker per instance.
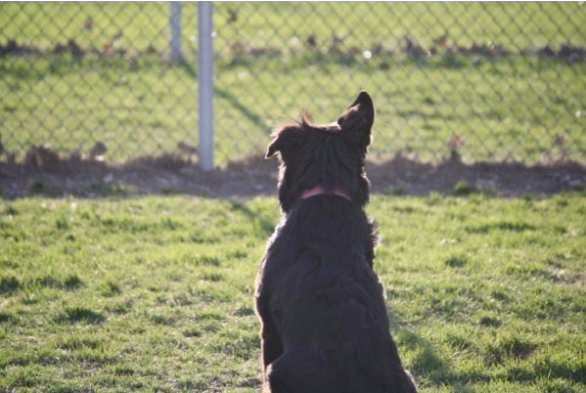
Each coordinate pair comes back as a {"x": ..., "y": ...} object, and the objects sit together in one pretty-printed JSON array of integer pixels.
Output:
[{"x": 422, "y": 359}]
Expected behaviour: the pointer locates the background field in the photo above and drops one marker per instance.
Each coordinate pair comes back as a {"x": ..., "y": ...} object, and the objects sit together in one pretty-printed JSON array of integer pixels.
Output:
[
  {"x": 516, "y": 106},
  {"x": 155, "y": 293}
]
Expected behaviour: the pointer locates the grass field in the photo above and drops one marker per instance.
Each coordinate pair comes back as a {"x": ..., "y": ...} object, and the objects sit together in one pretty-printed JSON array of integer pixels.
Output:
[
  {"x": 512, "y": 106},
  {"x": 154, "y": 293}
]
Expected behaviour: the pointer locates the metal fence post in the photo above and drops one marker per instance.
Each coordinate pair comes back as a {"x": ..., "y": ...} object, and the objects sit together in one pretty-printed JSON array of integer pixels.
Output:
[
  {"x": 175, "y": 41},
  {"x": 205, "y": 61}
]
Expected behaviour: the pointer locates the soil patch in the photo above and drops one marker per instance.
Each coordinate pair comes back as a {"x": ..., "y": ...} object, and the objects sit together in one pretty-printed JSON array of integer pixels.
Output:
[{"x": 168, "y": 174}]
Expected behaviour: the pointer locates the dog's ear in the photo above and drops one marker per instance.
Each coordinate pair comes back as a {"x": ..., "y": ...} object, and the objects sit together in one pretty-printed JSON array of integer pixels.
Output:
[
  {"x": 273, "y": 147},
  {"x": 286, "y": 140},
  {"x": 356, "y": 122}
]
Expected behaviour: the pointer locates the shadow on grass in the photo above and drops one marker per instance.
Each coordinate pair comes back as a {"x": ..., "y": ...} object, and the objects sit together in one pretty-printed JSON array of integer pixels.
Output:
[
  {"x": 266, "y": 225},
  {"x": 426, "y": 366},
  {"x": 430, "y": 368},
  {"x": 426, "y": 363},
  {"x": 235, "y": 103}
]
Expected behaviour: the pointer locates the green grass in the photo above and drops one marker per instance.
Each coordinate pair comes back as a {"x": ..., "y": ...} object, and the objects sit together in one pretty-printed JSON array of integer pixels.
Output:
[
  {"x": 504, "y": 107},
  {"x": 155, "y": 293}
]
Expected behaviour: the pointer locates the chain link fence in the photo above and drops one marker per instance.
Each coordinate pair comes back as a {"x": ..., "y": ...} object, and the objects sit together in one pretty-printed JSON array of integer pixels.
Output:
[{"x": 494, "y": 81}]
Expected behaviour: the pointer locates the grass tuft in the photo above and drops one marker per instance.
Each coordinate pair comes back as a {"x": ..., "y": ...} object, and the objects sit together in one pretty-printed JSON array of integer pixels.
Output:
[
  {"x": 9, "y": 285},
  {"x": 81, "y": 315},
  {"x": 110, "y": 289},
  {"x": 456, "y": 261},
  {"x": 4, "y": 317},
  {"x": 463, "y": 188},
  {"x": 72, "y": 282}
]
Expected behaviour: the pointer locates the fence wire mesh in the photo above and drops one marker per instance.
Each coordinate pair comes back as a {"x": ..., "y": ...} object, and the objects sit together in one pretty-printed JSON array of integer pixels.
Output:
[{"x": 492, "y": 80}]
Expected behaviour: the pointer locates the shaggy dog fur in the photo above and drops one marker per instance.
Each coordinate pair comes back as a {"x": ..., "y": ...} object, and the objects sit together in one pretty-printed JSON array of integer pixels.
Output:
[{"x": 324, "y": 320}]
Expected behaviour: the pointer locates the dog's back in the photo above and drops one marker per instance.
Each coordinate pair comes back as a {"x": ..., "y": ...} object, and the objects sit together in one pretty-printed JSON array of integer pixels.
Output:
[{"x": 325, "y": 325}]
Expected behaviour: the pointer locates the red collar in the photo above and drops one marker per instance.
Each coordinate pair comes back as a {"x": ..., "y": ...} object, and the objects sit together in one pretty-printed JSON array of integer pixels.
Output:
[{"x": 318, "y": 190}]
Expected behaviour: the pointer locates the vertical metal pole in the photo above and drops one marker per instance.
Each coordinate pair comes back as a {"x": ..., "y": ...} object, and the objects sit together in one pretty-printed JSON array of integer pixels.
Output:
[
  {"x": 175, "y": 22},
  {"x": 205, "y": 62}
]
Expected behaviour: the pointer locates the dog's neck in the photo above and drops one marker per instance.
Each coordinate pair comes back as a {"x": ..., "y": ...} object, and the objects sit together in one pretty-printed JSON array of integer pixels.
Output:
[{"x": 318, "y": 190}]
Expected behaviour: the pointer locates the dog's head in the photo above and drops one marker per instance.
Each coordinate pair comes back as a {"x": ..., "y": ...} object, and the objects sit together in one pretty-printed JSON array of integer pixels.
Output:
[{"x": 329, "y": 156}]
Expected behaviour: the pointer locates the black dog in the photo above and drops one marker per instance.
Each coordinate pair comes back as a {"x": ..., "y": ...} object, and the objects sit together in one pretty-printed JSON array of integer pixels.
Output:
[{"x": 324, "y": 321}]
